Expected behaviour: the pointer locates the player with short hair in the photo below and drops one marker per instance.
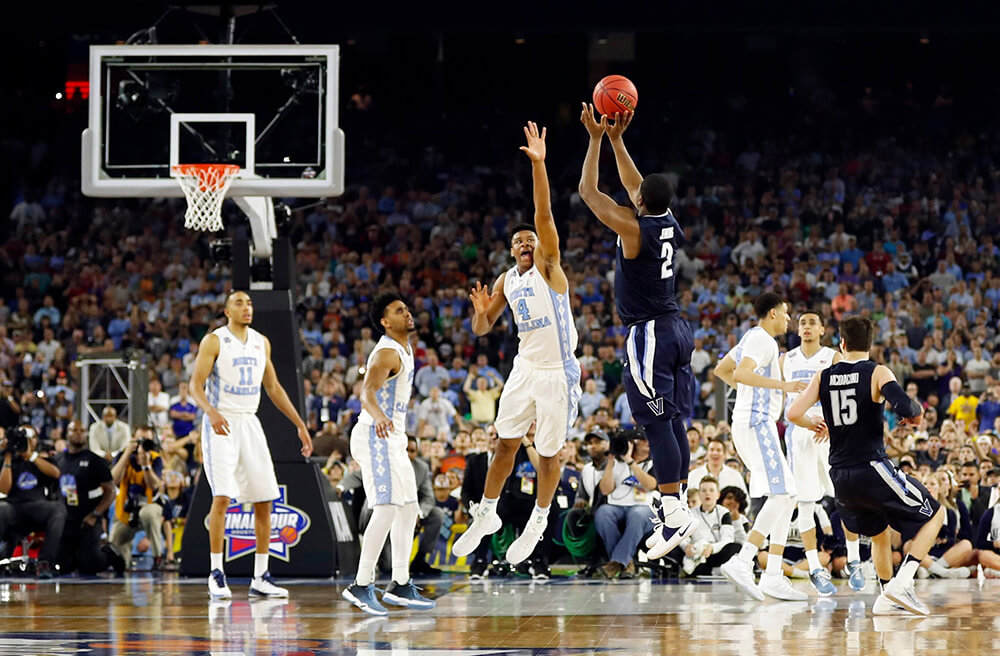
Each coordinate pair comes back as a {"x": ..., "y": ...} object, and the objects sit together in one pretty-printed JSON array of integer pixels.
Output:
[
  {"x": 752, "y": 368},
  {"x": 234, "y": 361},
  {"x": 871, "y": 494},
  {"x": 544, "y": 385},
  {"x": 378, "y": 444},
  {"x": 658, "y": 379},
  {"x": 808, "y": 458}
]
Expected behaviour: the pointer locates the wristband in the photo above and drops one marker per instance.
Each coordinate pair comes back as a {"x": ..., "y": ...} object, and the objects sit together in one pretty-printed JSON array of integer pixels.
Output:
[{"x": 34, "y": 457}]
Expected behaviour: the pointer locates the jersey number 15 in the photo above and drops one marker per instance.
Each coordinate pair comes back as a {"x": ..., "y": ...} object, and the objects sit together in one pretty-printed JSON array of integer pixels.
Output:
[
  {"x": 845, "y": 408},
  {"x": 667, "y": 253}
]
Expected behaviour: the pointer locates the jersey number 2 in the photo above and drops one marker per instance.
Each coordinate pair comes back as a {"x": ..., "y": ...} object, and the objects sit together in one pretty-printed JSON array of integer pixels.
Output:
[
  {"x": 666, "y": 253},
  {"x": 522, "y": 309},
  {"x": 246, "y": 375},
  {"x": 845, "y": 408}
]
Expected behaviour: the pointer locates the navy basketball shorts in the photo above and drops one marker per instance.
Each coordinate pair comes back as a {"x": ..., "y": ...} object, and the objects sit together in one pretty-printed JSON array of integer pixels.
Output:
[
  {"x": 657, "y": 376},
  {"x": 876, "y": 495}
]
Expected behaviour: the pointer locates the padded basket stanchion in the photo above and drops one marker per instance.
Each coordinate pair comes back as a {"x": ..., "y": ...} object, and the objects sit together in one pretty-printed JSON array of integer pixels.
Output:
[{"x": 205, "y": 187}]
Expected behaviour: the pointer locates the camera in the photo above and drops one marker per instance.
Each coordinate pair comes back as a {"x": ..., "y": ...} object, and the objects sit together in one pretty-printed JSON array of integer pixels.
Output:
[
  {"x": 132, "y": 508},
  {"x": 619, "y": 441},
  {"x": 17, "y": 441}
]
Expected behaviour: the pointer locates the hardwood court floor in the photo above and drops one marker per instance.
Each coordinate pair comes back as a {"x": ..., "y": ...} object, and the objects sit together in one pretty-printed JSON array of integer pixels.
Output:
[{"x": 167, "y": 615}]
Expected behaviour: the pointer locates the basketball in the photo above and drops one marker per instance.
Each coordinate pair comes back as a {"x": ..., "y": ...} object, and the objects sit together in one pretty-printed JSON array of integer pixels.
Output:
[
  {"x": 615, "y": 93},
  {"x": 288, "y": 534}
]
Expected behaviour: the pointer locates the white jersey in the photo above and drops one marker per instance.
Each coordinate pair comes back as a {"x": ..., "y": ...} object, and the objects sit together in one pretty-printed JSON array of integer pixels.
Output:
[
  {"x": 234, "y": 384},
  {"x": 755, "y": 405},
  {"x": 545, "y": 328},
  {"x": 798, "y": 367},
  {"x": 394, "y": 395}
]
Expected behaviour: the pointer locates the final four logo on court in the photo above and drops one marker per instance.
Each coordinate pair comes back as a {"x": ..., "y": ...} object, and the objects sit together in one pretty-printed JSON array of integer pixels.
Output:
[{"x": 288, "y": 523}]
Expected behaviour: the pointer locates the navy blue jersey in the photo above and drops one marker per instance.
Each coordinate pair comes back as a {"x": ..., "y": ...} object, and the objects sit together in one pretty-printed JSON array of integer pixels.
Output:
[
  {"x": 854, "y": 420},
  {"x": 644, "y": 285}
]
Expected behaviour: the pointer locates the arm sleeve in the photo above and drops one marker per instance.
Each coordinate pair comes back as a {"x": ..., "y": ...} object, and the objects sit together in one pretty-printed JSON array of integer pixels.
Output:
[{"x": 902, "y": 405}]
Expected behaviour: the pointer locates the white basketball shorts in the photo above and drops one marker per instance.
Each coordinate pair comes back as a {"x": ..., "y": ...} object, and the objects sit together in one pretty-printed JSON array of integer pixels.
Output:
[
  {"x": 810, "y": 463},
  {"x": 760, "y": 449},
  {"x": 386, "y": 470},
  {"x": 238, "y": 465},
  {"x": 548, "y": 396}
]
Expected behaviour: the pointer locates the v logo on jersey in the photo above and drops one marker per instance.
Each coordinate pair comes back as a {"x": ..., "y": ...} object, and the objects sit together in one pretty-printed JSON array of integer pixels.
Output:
[
  {"x": 926, "y": 508},
  {"x": 656, "y": 406}
]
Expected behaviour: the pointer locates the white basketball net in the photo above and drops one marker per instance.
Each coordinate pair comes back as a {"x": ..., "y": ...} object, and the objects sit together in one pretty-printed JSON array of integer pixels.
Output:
[{"x": 205, "y": 187}]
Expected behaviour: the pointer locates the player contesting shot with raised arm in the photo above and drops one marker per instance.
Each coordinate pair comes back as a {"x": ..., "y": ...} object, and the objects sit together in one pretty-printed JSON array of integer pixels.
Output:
[
  {"x": 544, "y": 384},
  {"x": 870, "y": 493},
  {"x": 235, "y": 362},
  {"x": 657, "y": 377}
]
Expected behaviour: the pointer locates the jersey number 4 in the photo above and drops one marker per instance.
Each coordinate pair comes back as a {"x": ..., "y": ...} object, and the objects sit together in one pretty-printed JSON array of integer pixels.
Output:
[
  {"x": 522, "y": 309},
  {"x": 667, "y": 253},
  {"x": 844, "y": 406}
]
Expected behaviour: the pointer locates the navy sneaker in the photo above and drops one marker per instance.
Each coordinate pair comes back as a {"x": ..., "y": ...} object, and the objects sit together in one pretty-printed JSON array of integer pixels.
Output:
[
  {"x": 407, "y": 595},
  {"x": 363, "y": 596}
]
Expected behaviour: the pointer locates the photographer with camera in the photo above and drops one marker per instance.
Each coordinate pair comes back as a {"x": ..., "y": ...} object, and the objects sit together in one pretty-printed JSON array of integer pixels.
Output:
[
  {"x": 23, "y": 479},
  {"x": 87, "y": 491},
  {"x": 626, "y": 518},
  {"x": 138, "y": 473}
]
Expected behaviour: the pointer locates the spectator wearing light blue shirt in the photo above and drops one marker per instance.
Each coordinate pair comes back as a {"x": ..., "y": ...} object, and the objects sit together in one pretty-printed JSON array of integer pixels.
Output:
[
  {"x": 591, "y": 399},
  {"x": 49, "y": 310},
  {"x": 431, "y": 375},
  {"x": 892, "y": 280}
]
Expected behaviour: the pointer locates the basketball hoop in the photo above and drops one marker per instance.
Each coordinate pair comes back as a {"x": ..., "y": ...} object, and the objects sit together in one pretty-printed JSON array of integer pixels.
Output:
[{"x": 205, "y": 187}]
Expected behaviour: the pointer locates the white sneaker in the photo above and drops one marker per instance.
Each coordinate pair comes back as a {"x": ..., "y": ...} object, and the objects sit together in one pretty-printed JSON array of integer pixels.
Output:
[
  {"x": 264, "y": 586},
  {"x": 741, "y": 575},
  {"x": 957, "y": 573},
  {"x": 779, "y": 587},
  {"x": 484, "y": 522},
  {"x": 923, "y": 573},
  {"x": 905, "y": 597},
  {"x": 521, "y": 548},
  {"x": 217, "y": 588},
  {"x": 885, "y": 606},
  {"x": 669, "y": 532}
]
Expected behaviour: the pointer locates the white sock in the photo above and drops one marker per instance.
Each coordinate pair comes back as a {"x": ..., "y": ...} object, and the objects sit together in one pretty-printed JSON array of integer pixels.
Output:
[
  {"x": 537, "y": 512},
  {"x": 774, "y": 563},
  {"x": 907, "y": 571},
  {"x": 748, "y": 552},
  {"x": 373, "y": 541},
  {"x": 259, "y": 565},
  {"x": 216, "y": 559},
  {"x": 939, "y": 567},
  {"x": 401, "y": 542},
  {"x": 812, "y": 557},
  {"x": 853, "y": 551},
  {"x": 487, "y": 506}
]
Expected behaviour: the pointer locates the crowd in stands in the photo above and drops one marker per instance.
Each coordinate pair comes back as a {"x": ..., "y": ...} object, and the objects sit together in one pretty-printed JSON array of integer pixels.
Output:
[{"x": 904, "y": 232}]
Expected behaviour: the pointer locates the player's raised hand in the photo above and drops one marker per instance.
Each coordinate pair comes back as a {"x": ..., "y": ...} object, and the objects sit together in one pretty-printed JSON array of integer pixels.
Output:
[
  {"x": 594, "y": 128},
  {"x": 616, "y": 128},
  {"x": 793, "y": 386},
  {"x": 481, "y": 298},
  {"x": 307, "y": 443},
  {"x": 535, "y": 150},
  {"x": 218, "y": 422}
]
